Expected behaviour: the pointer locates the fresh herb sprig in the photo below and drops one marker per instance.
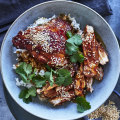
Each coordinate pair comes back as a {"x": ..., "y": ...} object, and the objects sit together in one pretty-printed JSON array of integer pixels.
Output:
[
  {"x": 63, "y": 77},
  {"x": 27, "y": 94},
  {"x": 39, "y": 81},
  {"x": 24, "y": 70},
  {"x": 49, "y": 77},
  {"x": 28, "y": 75},
  {"x": 72, "y": 47},
  {"x": 82, "y": 104}
]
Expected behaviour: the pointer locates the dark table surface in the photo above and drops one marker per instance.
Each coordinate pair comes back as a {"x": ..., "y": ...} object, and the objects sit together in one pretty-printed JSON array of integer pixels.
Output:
[{"x": 113, "y": 20}]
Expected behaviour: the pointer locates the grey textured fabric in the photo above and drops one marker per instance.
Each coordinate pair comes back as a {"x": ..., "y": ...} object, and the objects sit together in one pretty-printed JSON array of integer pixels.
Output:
[
  {"x": 11, "y": 9},
  {"x": 101, "y": 6}
]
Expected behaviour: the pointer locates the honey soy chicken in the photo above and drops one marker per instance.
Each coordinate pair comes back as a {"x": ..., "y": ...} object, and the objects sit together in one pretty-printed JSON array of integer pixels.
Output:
[
  {"x": 45, "y": 44},
  {"x": 94, "y": 54}
]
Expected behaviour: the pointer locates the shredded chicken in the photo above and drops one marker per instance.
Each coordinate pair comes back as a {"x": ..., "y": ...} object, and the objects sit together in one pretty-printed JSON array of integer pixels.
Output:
[
  {"x": 94, "y": 55},
  {"x": 45, "y": 44},
  {"x": 89, "y": 82},
  {"x": 66, "y": 96},
  {"x": 90, "y": 51},
  {"x": 79, "y": 82},
  {"x": 103, "y": 57}
]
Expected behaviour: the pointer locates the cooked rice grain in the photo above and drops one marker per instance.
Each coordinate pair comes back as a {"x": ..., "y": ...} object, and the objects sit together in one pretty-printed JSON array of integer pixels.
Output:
[{"x": 25, "y": 57}]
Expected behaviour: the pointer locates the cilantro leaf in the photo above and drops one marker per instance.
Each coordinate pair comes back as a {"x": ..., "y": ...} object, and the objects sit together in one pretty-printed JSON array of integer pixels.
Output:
[
  {"x": 24, "y": 70},
  {"x": 39, "y": 81},
  {"x": 63, "y": 72},
  {"x": 49, "y": 77},
  {"x": 27, "y": 100},
  {"x": 27, "y": 94},
  {"x": 77, "y": 57},
  {"x": 19, "y": 70},
  {"x": 72, "y": 48},
  {"x": 69, "y": 34},
  {"x": 82, "y": 104},
  {"x": 23, "y": 93},
  {"x": 64, "y": 77},
  {"x": 35, "y": 70},
  {"x": 68, "y": 80},
  {"x": 60, "y": 80},
  {"x": 31, "y": 76},
  {"x": 31, "y": 92},
  {"x": 40, "y": 84},
  {"x": 27, "y": 68},
  {"x": 75, "y": 40},
  {"x": 23, "y": 77}
]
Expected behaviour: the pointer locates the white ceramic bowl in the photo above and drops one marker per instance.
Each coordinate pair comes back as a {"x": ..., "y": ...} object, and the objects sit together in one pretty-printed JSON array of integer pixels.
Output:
[{"x": 84, "y": 15}]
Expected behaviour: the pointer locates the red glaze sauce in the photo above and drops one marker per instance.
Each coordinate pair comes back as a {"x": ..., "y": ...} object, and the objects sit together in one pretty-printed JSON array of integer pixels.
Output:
[{"x": 56, "y": 32}]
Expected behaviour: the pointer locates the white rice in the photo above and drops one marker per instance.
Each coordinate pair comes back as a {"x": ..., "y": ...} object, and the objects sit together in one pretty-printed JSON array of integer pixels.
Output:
[
  {"x": 14, "y": 66},
  {"x": 42, "y": 72},
  {"x": 74, "y": 23},
  {"x": 18, "y": 50},
  {"x": 21, "y": 83},
  {"x": 41, "y": 21},
  {"x": 44, "y": 20}
]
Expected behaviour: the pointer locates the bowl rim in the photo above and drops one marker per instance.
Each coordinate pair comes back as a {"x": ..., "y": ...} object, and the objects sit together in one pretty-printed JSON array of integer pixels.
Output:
[{"x": 23, "y": 15}]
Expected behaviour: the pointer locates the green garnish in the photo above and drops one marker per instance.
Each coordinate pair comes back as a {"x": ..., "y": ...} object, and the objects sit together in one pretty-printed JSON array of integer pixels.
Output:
[
  {"x": 75, "y": 40},
  {"x": 69, "y": 34},
  {"x": 27, "y": 94},
  {"x": 39, "y": 81},
  {"x": 49, "y": 77},
  {"x": 63, "y": 78},
  {"x": 77, "y": 57},
  {"x": 27, "y": 74},
  {"x": 31, "y": 92},
  {"x": 72, "y": 48},
  {"x": 24, "y": 70},
  {"x": 82, "y": 104}
]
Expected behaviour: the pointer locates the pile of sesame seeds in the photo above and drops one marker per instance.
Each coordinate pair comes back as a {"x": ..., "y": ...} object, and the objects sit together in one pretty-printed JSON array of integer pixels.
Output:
[
  {"x": 40, "y": 38},
  {"x": 43, "y": 39},
  {"x": 106, "y": 112}
]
